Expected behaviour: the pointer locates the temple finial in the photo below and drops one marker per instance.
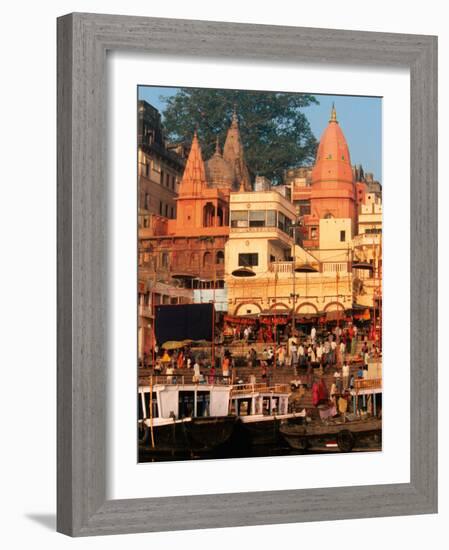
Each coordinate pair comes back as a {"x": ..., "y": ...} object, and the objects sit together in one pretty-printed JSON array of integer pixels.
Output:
[
  {"x": 235, "y": 119},
  {"x": 333, "y": 117}
]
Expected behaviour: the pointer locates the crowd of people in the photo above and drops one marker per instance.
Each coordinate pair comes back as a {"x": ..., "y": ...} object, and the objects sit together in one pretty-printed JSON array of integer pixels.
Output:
[
  {"x": 329, "y": 351},
  {"x": 322, "y": 351},
  {"x": 196, "y": 362}
]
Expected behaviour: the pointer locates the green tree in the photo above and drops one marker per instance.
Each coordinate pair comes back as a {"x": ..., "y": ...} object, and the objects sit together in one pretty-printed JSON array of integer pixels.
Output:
[{"x": 276, "y": 134}]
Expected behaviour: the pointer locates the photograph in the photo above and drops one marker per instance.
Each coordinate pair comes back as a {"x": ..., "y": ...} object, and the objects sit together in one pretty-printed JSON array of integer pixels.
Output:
[{"x": 259, "y": 273}]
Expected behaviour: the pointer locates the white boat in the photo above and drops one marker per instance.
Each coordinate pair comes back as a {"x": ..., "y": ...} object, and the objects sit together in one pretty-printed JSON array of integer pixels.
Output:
[
  {"x": 179, "y": 418},
  {"x": 260, "y": 410}
]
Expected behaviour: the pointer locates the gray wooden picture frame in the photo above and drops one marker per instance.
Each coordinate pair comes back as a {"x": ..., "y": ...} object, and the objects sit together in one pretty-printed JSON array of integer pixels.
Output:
[{"x": 83, "y": 41}]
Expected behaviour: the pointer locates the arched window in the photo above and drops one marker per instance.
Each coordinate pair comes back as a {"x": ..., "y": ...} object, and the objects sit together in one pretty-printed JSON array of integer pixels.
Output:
[
  {"x": 220, "y": 258},
  {"x": 220, "y": 219},
  {"x": 208, "y": 215},
  {"x": 194, "y": 259},
  {"x": 207, "y": 259},
  {"x": 328, "y": 216}
]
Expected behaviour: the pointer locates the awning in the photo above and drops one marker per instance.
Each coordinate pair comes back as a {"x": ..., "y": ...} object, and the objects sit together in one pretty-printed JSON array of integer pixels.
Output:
[
  {"x": 306, "y": 319},
  {"x": 239, "y": 320},
  {"x": 273, "y": 320},
  {"x": 363, "y": 315},
  {"x": 175, "y": 344},
  {"x": 339, "y": 315}
]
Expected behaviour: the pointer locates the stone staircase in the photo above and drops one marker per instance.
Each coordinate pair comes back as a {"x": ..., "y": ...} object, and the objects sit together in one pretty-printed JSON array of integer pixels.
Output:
[{"x": 300, "y": 399}]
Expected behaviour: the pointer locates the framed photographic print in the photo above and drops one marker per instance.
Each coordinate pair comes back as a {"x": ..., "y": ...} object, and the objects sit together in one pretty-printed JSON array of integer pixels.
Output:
[
  {"x": 259, "y": 295},
  {"x": 246, "y": 274}
]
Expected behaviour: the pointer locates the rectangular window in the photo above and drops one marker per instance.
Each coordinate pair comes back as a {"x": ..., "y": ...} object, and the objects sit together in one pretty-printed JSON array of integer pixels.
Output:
[
  {"x": 166, "y": 210},
  {"x": 313, "y": 232},
  {"x": 342, "y": 236},
  {"x": 160, "y": 208},
  {"x": 147, "y": 201},
  {"x": 284, "y": 223},
  {"x": 203, "y": 403},
  {"x": 155, "y": 412},
  {"x": 257, "y": 218},
  {"x": 239, "y": 218},
  {"x": 162, "y": 177},
  {"x": 281, "y": 221},
  {"x": 304, "y": 207},
  {"x": 271, "y": 218},
  {"x": 249, "y": 259},
  {"x": 186, "y": 404},
  {"x": 164, "y": 259}
]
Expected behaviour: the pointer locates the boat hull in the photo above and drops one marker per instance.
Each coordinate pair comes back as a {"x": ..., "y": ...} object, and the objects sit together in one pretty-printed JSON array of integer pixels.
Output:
[
  {"x": 263, "y": 430},
  {"x": 188, "y": 435},
  {"x": 343, "y": 437}
]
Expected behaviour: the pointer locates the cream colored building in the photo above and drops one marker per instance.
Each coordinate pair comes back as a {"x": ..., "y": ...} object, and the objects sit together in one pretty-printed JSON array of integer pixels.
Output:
[
  {"x": 261, "y": 238},
  {"x": 367, "y": 247}
]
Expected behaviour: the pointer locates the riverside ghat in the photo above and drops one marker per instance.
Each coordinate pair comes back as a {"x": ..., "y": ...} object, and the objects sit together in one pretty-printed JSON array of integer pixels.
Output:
[
  {"x": 260, "y": 304},
  {"x": 256, "y": 400}
]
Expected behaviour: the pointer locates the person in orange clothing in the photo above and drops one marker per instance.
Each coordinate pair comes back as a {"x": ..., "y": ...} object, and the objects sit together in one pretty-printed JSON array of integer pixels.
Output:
[
  {"x": 226, "y": 367},
  {"x": 165, "y": 358}
]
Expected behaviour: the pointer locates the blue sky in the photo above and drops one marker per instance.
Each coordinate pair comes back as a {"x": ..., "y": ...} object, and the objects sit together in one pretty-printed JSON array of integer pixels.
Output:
[{"x": 360, "y": 119}]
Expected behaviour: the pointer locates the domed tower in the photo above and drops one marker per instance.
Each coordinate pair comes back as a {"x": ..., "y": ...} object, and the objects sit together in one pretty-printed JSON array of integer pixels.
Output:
[
  {"x": 233, "y": 155},
  {"x": 219, "y": 173},
  {"x": 333, "y": 189}
]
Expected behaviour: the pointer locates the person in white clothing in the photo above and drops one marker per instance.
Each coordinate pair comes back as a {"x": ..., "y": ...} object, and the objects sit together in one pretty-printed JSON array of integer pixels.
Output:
[
  {"x": 345, "y": 373},
  {"x": 319, "y": 353},
  {"x": 196, "y": 372},
  {"x": 342, "y": 352},
  {"x": 313, "y": 334},
  {"x": 333, "y": 358}
]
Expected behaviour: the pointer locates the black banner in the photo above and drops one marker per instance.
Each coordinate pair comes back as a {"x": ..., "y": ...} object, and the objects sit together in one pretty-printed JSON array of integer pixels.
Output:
[{"x": 184, "y": 322}]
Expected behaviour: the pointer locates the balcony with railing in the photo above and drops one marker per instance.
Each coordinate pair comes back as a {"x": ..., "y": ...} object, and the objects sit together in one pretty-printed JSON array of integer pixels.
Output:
[
  {"x": 270, "y": 233},
  {"x": 287, "y": 268},
  {"x": 244, "y": 389},
  {"x": 367, "y": 239}
]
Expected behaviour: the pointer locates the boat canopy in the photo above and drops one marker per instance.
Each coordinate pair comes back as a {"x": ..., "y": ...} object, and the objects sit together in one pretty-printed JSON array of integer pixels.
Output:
[{"x": 180, "y": 401}]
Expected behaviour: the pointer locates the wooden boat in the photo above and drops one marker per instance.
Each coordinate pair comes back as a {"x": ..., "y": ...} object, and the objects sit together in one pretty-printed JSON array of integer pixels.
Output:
[
  {"x": 183, "y": 418},
  {"x": 339, "y": 435},
  {"x": 261, "y": 410}
]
